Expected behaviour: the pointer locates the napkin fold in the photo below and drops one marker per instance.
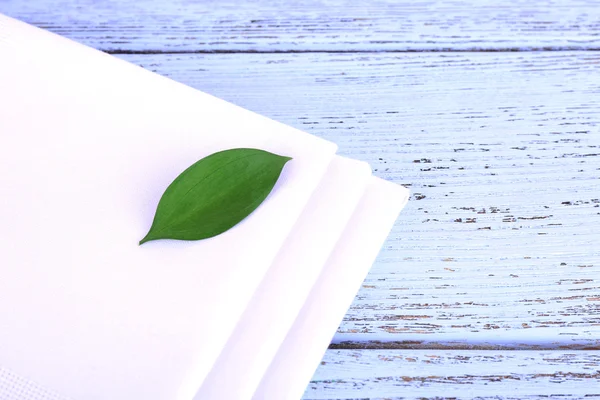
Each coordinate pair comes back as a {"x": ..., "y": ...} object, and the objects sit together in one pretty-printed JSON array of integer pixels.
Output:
[
  {"x": 308, "y": 339},
  {"x": 285, "y": 287}
]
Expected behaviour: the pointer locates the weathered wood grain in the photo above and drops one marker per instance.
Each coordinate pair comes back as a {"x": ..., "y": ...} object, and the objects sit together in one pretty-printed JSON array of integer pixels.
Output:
[
  {"x": 427, "y": 374},
  {"x": 499, "y": 246},
  {"x": 317, "y": 25}
]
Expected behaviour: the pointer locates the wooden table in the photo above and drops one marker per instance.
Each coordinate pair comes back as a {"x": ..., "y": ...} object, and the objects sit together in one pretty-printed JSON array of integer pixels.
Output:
[{"x": 489, "y": 285}]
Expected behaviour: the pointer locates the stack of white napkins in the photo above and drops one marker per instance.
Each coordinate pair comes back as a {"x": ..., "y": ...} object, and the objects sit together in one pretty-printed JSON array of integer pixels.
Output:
[{"x": 88, "y": 144}]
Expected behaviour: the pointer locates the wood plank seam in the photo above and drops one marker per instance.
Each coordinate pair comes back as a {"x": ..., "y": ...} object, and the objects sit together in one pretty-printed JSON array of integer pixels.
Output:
[{"x": 342, "y": 51}]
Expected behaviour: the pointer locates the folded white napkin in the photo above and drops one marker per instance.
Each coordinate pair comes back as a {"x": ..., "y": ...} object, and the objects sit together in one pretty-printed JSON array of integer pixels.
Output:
[{"x": 89, "y": 144}]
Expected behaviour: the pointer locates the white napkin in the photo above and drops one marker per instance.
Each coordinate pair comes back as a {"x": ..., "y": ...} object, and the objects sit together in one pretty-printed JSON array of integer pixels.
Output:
[
  {"x": 309, "y": 337},
  {"x": 283, "y": 291},
  {"x": 89, "y": 143}
]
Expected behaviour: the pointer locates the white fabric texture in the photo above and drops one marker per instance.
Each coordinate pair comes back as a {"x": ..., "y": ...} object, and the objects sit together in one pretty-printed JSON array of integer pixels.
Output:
[{"x": 15, "y": 387}]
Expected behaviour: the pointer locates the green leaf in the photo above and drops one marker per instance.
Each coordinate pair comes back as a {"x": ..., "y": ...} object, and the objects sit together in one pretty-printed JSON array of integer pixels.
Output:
[{"x": 215, "y": 194}]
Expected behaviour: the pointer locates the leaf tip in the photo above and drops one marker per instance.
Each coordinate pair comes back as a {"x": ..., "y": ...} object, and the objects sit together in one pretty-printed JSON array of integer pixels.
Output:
[{"x": 146, "y": 238}]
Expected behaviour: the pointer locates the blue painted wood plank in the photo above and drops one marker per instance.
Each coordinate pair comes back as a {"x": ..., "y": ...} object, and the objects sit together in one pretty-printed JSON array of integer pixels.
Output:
[{"x": 317, "y": 25}]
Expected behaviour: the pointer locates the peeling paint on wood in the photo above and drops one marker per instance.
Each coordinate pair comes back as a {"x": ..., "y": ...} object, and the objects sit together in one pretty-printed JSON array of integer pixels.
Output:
[
  {"x": 431, "y": 374},
  {"x": 184, "y": 26}
]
